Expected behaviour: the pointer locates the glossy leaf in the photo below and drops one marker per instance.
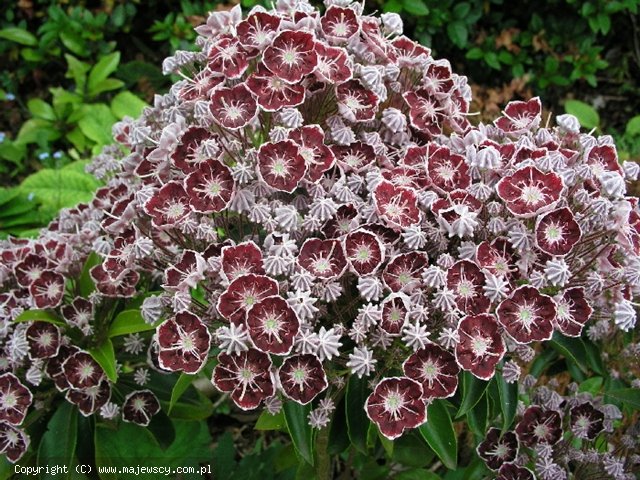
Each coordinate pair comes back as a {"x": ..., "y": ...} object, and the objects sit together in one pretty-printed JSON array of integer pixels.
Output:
[
  {"x": 440, "y": 435},
  {"x": 585, "y": 113},
  {"x": 86, "y": 285},
  {"x": 572, "y": 349},
  {"x": 127, "y": 104},
  {"x": 508, "y": 393},
  {"x": 266, "y": 421},
  {"x": 628, "y": 396},
  {"x": 357, "y": 420},
  {"x": 127, "y": 322},
  {"x": 181, "y": 385},
  {"x": 101, "y": 70},
  {"x": 106, "y": 358},
  {"x": 19, "y": 35},
  {"x": 58, "y": 444},
  {"x": 299, "y": 429},
  {"x": 39, "y": 316},
  {"x": 472, "y": 390}
]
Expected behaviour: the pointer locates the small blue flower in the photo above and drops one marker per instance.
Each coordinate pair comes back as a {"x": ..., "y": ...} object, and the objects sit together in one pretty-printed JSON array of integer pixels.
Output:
[
  {"x": 30, "y": 196},
  {"x": 43, "y": 155},
  {"x": 2, "y": 136},
  {"x": 9, "y": 97},
  {"x": 57, "y": 154}
]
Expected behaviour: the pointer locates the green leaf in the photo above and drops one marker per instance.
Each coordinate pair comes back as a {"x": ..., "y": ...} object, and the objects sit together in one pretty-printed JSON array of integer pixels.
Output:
[
  {"x": 458, "y": 33},
  {"x": 299, "y": 429},
  {"x": 19, "y": 35},
  {"x": 461, "y": 10},
  {"x": 181, "y": 385},
  {"x": 130, "y": 445},
  {"x": 412, "y": 450},
  {"x": 478, "y": 416},
  {"x": 338, "y": 435},
  {"x": 266, "y": 421},
  {"x": 60, "y": 188},
  {"x": 78, "y": 71},
  {"x": 591, "y": 385},
  {"x": 628, "y": 396},
  {"x": 36, "y": 130},
  {"x": 586, "y": 114},
  {"x": 6, "y": 195},
  {"x": 417, "y": 474},
  {"x": 101, "y": 70},
  {"x": 572, "y": 349},
  {"x": 508, "y": 393},
  {"x": 86, "y": 284},
  {"x": 472, "y": 390},
  {"x": 41, "y": 109},
  {"x": 386, "y": 443},
  {"x": 96, "y": 123},
  {"x": 474, "y": 54},
  {"x": 106, "y": 86},
  {"x": 106, "y": 358},
  {"x": 415, "y": 7},
  {"x": 39, "y": 316},
  {"x": 127, "y": 322},
  {"x": 223, "y": 458},
  {"x": 126, "y": 104},
  {"x": 440, "y": 435},
  {"x": 58, "y": 444},
  {"x": 357, "y": 421},
  {"x": 633, "y": 126}
]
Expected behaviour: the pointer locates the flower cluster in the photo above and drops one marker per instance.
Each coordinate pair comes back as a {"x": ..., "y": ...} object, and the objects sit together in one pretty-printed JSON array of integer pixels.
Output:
[
  {"x": 558, "y": 434},
  {"x": 309, "y": 200}
]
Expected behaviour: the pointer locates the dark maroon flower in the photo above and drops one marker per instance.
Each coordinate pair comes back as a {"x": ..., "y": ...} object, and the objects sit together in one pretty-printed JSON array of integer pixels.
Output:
[
  {"x": 47, "y": 290},
  {"x": 435, "y": 369},
  {"x": 302, "y": 378},
  {"x": 241, "y": 259},
  {"x": 405, "y": 176},
  {"x": 43, "y": 339},
  {"x": 425, "y": 112},
  {"x": 572, "y": 311},
  {"x": 246, "y": 375},
  {"x": 395, "y": 311},
  {"x": 539, "y": 426},
  {"x": 404, "y": 272},
  {"x": 169, "y": 205},
  {"x": 527, "y": 315},
  {"x": 318, "y": 157},
  {"x": 13, "y": 442},
  {"x": 210, "y": 187},
  {"x": 529, "y": 192},
  {"x": 408, "y": 51},
  {"x": 520, "y": 116},
  {"x": 398, "y": 206},
  {"x": 90, "y": 400},
  {"x": 281, "y": 166},
  {"x": 339, "y": 24},
  {"x": 481, "y": 346},
  {"x": 356, "y": 103},
  {"x": 243, "y": 293},
  {"x": 466, "y": 280},
  {"x": 343, "y": 222},
  {"x": 291, "y": 55},
  {"x": 496, "y": 450},
  {"x": 274, "y": 93},
  {"x": 184, "y": 343},
  {"x": 15, "y": 399},
  {"x": 396, "y": 405},
  {"x": 322, "y": 258},
  {"x": 355, "y": 157},
  {"x": 54, "y": 366},
  {"x": 82, "y": 371},
  {"x": 496, "y": 257},
  {"x": 139, "y": 407},
  {"x": 509, "y": 471},
  {"x": 258, "y": 29},
  {"x": 228, "y": 57},
  {"x": 201, "y": 86},
  {"x": 272, "y": 325},
  {"x": 586, "y": 421},
  {"x": 603, "y": 158},
  {"x": 186, "y": 273},
  {"x": 334, "y": 65},
  {"x": 447, "y": 171},
  {"x": 78, "y": 313},
  {"x": 233, "y": 108},
  {"x": 364, "y": 251},
  {"x": 114, "y": 280},
  {"x": 557, "y": 232},
  {"x": 30, "y": 269},
  {"x": 187, "y": 154}
]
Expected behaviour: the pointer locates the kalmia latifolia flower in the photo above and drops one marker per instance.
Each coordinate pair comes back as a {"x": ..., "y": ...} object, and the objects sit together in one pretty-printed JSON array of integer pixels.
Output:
[
  {"x": 527, "y": 315},
  {"x": 539, "y": 426},
  {"x": 184, "y": 343},
  {"x": 139, "y": 407},
  {"x": 481, "y": 346},
  {"x": 435, "y": 369},
  {"x": 396, "y": 405},
  {"x": 497, "y": 449},
  {"x": 247, "y": 376},
  {"x": 310, "y": 201},
  {"x": 302, "y": 378}
]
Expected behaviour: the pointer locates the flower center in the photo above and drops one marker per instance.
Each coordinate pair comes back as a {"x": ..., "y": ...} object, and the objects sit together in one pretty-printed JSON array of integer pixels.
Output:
[
  {"x": 480, "y": 345},
  {"x": 9, "y": 400},
  {"x": 139, "y": 404},
  {"x": 175, "y": 210},
  {"x": 430, "y": 370},
  {"x": 85, "y": 371},
  {"x": 541, "y": 431},
  {"x": 466, "y": 288},
  {"x": 531, "y": 195}
]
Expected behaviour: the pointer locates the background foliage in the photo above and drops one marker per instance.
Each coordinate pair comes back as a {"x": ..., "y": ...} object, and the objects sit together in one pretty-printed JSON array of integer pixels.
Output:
[{"x": 71, "y": 69}]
